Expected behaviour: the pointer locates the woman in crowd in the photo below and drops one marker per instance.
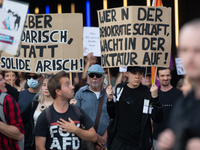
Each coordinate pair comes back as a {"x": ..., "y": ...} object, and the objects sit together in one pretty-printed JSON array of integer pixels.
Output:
[
  {"x": 22, "y": 79},
  {"x": 41, "y": 101},
  {"x": 15, "y": 79}
]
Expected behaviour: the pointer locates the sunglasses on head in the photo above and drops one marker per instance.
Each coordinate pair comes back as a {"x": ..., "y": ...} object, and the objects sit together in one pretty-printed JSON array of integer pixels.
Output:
[
  {"x": 34, "y": 77},
  {"x": 91, "y": 75}
]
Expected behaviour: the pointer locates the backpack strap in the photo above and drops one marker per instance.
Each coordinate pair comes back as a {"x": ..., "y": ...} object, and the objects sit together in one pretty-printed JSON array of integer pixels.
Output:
[
  {"x": 48, "y": 115},
  {"x": 78, "y": 112},
  {"x": 2, "y": 116}
]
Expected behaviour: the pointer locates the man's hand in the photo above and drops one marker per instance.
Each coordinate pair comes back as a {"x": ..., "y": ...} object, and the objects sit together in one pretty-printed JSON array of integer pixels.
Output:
[
  {"x": 73, "y": 101},
  {"x": 101, "y": 141},
  {"x": 193, "y": 144},
  {"x": 67, "y": 126},
  {"x": 166, "y": 140},
  {"x": 154, "y": 91},
  {"x": 109, "y": 92},
  {"x": 98, "y": 147}
]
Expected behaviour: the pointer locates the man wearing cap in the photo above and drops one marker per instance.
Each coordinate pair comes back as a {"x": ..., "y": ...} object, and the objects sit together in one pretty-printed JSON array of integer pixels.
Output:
[
  {"x": 89, "y": 97},
  {"x": 131, "y": 113},
  {"x": 168, "y": 95},
  {"x": 26, "y": 96}
]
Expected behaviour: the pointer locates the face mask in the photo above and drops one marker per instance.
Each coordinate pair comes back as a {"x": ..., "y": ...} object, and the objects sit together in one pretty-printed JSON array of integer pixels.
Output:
[{"x": 32, "y": 83}]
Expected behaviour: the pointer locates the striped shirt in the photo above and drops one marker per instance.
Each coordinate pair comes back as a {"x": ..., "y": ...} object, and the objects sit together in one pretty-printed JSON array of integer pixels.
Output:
[{"x": 12, "y": 116}]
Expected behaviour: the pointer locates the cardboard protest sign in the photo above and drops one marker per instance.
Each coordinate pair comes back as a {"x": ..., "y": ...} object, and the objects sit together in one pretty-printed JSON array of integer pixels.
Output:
[
  {"x": 91, "y": 41},
  {"x": 12, "y": 21},
  {"x": 180, "y": 67},
  {"x": 50, "y": 43},
  {"x": 135, "y": 36}
]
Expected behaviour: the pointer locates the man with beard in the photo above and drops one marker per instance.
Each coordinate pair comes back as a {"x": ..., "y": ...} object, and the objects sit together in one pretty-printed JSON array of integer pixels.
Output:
[
  {"x": 89, "y": 98},
  {"x": 167, "y": 94}
]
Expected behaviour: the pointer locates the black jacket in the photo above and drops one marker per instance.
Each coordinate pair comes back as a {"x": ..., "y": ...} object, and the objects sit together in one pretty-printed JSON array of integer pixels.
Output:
[
  {"x": 12, "y": 91},
  {"x": 146, "y": 139},
  {"x": 27, "y": 117}
]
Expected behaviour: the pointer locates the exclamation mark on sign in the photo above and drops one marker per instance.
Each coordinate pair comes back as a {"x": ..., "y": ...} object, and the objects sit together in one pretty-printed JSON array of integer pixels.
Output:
[
  {"x": 81, "y": 64},
  {"x": 166, "y": 55}
]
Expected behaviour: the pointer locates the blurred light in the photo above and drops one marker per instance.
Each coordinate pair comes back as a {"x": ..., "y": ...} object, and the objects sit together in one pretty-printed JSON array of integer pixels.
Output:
[
  {"x": 28, "y": 11},
  {"x": 59, "y": 8},
  {"x": 176, "y": 21},
  {"x": 125, "y": 3},
  {"x": 88, "y": 19},
  {"x": 37, "y": 10},
  {"x": 47, "y": 10},
  {"x": 105, "y": 4},
  {"x": 72, "y": 8},
  {"x": 148, "y": 2}
]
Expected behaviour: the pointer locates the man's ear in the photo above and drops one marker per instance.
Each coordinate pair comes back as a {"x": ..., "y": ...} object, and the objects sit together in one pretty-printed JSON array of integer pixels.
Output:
[
  {"x": 58, "y": 92},
  {"x": 126, "y": 74}
]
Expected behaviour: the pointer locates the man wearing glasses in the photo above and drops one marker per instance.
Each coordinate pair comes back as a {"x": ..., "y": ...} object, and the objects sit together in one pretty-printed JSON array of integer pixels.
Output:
[
  {"x": 26, "y": 96},
  {"x": 88, "y": 98}
]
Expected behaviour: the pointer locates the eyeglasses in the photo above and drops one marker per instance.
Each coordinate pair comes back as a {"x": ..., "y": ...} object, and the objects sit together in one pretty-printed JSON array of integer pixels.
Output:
[
  {"x": 34, "y": 77},
  {"x": 48, "y": 75},
  {"x": 91, "y": 75}
]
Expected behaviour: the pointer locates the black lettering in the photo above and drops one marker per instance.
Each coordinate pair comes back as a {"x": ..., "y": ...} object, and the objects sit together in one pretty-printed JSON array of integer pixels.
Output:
[
  {"x": 38, "y": 21},
  {"x": 113, "y": 56},
  {"x": 107, "y": 16},
  {"x": 46, "y": 40},
  {"x": 31, "y": 22},
  {"x": 33, "y": 36},
  {"x": 41, "y": 48},
  {"x": 74, "y": 64},
  {"x": 132, "y": 42},
  {"x": 25, "y": 47},
  {"x": 152, "y": 43},
  {"x": 59, "y": 65},
  {"x": 113, "y": 15},
  {"x": 158, "y": 14},
  {"x": 12, "y": 64},
  {"x": 32, "y": 52},
  {"x": 63, "y": 36},
  {"x": 39, "y": 66},
  {"x": 47, "y": 20},
  {"x": 21, "y": 64},
  {"x": 133, "y": 56},
  {"x": 146, "y": 58},
  {"x": 47, "y": 64},
  {"x": 3, "y": 65},
  {"x": 149, "y": 15},
  {"x": 125, "y": 13},
  {"x": 64, "y": 68},
  {"x": 27, "y": 65},
  {"x": 51, "y": 36},
  {"x": 145, "y": 45},
  {"x": 140, "y": 17},
  {"x": 126, "y": 59},
  {"x": 118, "y": 59},
  {"x": 161, "y": 42},
  {"x": 52, "y": 49}
]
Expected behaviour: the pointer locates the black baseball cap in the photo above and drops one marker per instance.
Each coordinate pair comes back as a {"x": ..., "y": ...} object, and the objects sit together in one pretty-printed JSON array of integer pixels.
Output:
[{"x": 135, "y": 68}]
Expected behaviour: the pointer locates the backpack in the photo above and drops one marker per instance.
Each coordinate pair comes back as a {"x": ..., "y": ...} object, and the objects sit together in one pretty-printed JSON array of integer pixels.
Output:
[{"x": 2, "y": 116}]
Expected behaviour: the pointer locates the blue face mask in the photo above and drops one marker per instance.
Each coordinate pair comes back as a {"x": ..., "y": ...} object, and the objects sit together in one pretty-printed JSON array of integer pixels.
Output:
[{"x": 32, "y": 83}]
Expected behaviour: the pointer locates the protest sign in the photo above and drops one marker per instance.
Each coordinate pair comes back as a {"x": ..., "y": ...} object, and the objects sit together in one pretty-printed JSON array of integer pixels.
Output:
[
  {"x": 50, "y": 43},
  {"x": 135, "y": 36},
  {"x": 123, "y": 69},
  {"x": 12, "y": 21},
  {"x": 179, "y": 66},
  {"x": 91, "y": 41}
]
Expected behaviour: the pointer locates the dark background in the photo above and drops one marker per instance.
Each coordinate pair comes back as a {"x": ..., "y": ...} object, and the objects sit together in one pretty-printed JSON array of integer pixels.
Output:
[{"x": 188, "y": 10}]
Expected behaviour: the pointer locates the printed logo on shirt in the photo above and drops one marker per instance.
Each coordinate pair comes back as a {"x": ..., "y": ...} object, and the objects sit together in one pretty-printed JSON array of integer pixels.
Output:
[{"x": 63, "y": 140}]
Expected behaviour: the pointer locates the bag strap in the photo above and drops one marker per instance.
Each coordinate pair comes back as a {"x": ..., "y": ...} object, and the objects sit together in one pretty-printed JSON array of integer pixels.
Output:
[
  {"x": 99, "y": 111},
  {"x": 2, "y": 116},
  {"x": 48, "y": 115},
  {"x": 78, "y": 112}
]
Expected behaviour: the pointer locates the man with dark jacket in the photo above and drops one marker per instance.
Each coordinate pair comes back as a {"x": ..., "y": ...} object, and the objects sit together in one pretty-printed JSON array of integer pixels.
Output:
[
  {"x": 184, "y": 129},
  {"x": 131, "y": 112}
]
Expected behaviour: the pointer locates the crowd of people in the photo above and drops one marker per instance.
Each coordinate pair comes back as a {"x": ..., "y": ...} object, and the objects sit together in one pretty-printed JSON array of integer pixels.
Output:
[{"x": 47, "y": 111}]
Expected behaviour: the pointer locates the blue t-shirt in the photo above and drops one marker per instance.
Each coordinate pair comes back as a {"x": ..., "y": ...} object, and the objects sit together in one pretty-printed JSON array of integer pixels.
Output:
[{"x": 25, "y": 97}]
